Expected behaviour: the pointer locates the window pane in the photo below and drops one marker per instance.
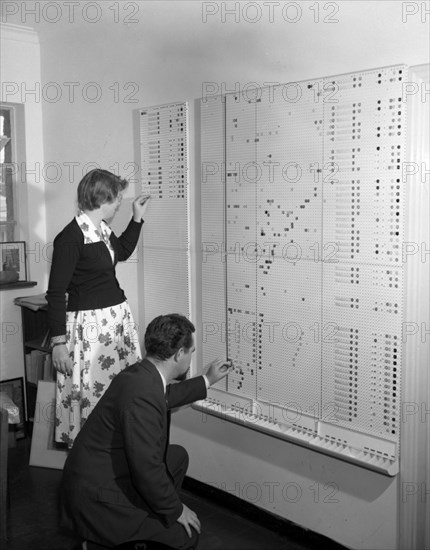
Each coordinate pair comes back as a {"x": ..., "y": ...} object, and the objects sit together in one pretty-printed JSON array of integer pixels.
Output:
[
  {"x": 6, "y": 193},
  {"x": 7, "y": 222},
  {"x": 5, "y": 132}
]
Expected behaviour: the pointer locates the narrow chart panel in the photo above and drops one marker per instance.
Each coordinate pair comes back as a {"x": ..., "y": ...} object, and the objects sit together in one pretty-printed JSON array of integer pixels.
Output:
[
  {"x": 164, "y": 169},
  {"x": 241, "y": 326},
  {"x": 363, "y": 218},
  {"x": 213, "y": 298},
  {"x": 240, "y": 237},
  {"x": 312, "y": 233}
]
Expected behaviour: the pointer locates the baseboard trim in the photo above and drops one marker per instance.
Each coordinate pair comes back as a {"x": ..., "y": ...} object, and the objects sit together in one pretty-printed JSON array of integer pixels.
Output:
[{"x": 260, "y": 516}]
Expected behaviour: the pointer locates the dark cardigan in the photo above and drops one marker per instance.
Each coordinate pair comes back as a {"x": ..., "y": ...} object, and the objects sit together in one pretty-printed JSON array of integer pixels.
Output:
[{"x": 86, "y": 272}]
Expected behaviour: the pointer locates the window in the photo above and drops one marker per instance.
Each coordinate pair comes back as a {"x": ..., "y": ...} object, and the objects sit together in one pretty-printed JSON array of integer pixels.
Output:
[{"x": 7, "y": 164}]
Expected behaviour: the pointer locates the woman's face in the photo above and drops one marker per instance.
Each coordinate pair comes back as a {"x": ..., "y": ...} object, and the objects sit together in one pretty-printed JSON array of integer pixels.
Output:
[{"x": 109, "y": 209}]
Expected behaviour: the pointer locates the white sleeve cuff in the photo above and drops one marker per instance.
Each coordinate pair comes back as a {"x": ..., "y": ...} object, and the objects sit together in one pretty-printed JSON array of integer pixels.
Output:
[{"x": 206, "y": 381}]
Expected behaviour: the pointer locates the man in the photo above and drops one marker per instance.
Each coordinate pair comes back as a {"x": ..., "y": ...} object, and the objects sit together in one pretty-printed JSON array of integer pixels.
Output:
[{"x": 122, "y": 478}]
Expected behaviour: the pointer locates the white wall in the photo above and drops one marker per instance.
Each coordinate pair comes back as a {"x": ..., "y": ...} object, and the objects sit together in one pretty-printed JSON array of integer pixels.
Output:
[
  {"x": 20, "y": 62},
  {"x": 169, "y": 54}
]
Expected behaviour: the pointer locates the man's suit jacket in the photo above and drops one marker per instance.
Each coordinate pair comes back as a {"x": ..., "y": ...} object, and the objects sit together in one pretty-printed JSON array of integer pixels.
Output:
[{"x": 115, "y": 474}]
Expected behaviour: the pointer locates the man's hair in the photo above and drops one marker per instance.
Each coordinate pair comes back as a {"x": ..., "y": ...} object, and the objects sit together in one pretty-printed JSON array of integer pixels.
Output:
[
  {"x": 98, "y": 187},
  {"x": 168, "y": 333}
]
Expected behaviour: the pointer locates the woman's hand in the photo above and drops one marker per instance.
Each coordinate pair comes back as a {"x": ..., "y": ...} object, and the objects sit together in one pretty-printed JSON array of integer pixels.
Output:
[
  {"x": 61, "y": 360},
  {"x": 140, "y": 204}
]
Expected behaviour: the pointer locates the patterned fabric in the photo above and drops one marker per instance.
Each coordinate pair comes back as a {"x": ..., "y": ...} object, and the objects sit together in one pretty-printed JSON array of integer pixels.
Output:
[
  {"x": 92, "y": 234},
  {"x": 101, "y": 343}
]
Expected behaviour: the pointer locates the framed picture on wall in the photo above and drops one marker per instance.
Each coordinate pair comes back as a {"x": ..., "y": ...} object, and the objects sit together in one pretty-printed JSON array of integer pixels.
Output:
[
  {"x": 12, "y": 399},
  {"x": 13, "y": 266}
]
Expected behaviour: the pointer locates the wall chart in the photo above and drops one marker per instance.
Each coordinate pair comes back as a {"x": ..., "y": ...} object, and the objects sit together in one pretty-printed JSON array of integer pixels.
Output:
[
  {"x": 302, "y": 226},
  {"x": 164, "y": 169}
]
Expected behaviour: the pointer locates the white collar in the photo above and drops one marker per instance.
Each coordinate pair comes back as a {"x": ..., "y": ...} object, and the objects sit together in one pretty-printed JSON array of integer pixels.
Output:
[
  {"x": 90, "y": 231},
  {"x": 162, "y": 379},
  {"x": 94, "y": 235}
]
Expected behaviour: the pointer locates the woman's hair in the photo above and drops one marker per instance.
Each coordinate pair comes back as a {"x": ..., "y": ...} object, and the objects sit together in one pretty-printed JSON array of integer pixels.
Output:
[
  {"x": 168, "y": 333},
  {"x": 98, "y": 187}
]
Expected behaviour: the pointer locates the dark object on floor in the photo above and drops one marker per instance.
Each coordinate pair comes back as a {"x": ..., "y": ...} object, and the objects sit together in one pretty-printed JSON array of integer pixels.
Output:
[
  {"x": 143, "y": 545},
  {"x": 4, "y": 444},
  {"x": 134, "y": 545}
]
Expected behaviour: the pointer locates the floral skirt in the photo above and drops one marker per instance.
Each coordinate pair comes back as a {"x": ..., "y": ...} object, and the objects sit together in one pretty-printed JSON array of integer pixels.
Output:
[{"x": 101, "y": 343}]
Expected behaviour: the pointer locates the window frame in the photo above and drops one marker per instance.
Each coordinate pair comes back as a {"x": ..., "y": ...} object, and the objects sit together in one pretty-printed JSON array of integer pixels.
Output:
[{"x": 10, "y": 227}]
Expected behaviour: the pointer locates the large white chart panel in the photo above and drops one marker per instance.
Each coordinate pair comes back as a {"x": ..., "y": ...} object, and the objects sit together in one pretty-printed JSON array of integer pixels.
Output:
[
  {"x": 289, "y": 354},
  {"x": 289, "y": 154},
  {"x": 308, "y": 225}
]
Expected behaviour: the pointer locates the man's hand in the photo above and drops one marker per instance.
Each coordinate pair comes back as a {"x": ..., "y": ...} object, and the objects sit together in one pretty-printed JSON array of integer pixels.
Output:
[
  {"x": 189, "y": 519},
  {"x": 217, "y": 370},
  {"x": 140, "y": 204}
]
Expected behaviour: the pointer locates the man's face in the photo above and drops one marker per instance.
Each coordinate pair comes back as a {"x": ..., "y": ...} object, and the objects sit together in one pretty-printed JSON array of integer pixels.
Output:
[{"x": 185, "y": 361}]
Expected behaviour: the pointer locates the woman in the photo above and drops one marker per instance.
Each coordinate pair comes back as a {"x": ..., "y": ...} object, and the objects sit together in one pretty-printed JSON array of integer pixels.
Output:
[{"x": 93, "y": 336}]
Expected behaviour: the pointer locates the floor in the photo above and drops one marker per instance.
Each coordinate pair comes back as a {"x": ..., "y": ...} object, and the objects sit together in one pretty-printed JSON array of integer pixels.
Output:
[{"x": 33, "y": 520}]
